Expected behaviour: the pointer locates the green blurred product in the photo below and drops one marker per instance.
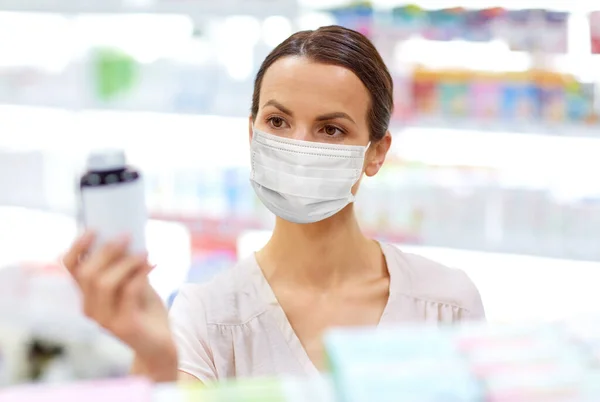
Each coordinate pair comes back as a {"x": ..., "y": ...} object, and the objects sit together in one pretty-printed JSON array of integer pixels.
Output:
[
  {"x": 257, "y": 390},
  {"x": 115, "y": 73}
]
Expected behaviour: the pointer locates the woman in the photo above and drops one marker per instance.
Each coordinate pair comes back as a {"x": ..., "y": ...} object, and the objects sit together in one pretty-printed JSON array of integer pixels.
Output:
[{"x": 320, "y": 113}]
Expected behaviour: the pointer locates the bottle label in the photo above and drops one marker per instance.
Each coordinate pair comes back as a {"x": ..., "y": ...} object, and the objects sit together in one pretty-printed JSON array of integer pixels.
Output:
[{"x": 114, "y": 210}]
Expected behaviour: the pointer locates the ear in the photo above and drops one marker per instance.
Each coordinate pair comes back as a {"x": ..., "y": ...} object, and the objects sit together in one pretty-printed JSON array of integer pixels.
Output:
[
  {"x": 376, "y": 155},
  {"x": 250, "y": 128}
]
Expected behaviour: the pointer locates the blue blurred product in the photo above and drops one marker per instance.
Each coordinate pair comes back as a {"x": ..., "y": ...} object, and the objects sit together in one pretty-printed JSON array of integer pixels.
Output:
[
  {"x": 410, "y": 364},
  {"x": 479, "y": 24},
  {"x": 210, "y": 194},
  {"x": 520, "y": 98},
  {"x": 239, "y": 193},
  {"x": 402, "y": 22},
  {"x": 357, "y": 16},
  {"x": 232, "y": 190},
  {"x": 445, "y": 25}
]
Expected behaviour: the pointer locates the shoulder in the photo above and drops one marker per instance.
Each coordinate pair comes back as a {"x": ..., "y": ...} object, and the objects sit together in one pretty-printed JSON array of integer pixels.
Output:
[
  {"x": 425, "y": 279},
  {"x": 232, "y": 297}
]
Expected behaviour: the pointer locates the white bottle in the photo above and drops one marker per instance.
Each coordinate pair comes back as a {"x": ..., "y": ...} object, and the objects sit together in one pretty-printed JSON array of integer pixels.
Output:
[{"x": 112, "y": 201}]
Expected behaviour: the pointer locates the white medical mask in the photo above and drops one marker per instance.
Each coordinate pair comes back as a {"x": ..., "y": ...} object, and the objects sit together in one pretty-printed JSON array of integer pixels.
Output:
[{"x": 302, "y": 181}]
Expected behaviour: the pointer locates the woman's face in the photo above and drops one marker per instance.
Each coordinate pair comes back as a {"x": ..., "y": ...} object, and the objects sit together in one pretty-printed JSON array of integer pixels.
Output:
[{"x": 309, "y": 101}]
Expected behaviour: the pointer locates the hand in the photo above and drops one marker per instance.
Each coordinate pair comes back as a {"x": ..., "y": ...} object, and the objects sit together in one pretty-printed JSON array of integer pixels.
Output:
[{"x": 118, "y": 296}]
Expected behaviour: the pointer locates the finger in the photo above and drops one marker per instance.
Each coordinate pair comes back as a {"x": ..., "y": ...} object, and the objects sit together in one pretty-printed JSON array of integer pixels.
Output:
[
  {"x": 98, "y": 261},
  {"x": 81, "y": 246},
  {"x": 109, "y": 284},
  {"x": 133, "y": 292},
  {"x": 129, "y": 302}
]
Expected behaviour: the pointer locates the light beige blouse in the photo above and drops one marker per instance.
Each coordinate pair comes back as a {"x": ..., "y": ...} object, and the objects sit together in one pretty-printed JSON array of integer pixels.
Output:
[{"x": 233, "y": 325}]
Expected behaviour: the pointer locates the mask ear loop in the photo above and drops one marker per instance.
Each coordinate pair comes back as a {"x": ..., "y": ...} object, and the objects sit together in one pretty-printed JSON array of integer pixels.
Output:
[{"x": 352, "y": 197}]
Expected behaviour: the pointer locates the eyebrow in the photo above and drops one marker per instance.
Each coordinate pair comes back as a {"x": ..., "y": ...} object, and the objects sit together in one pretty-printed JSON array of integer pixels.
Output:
[
  {"x": 274, "y": 103},
  {"x": 335, "y": 115},
  {"x": 324, "y": 117}
]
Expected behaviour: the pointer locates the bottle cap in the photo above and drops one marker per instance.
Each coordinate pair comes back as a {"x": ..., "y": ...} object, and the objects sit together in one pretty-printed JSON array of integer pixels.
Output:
[{"x": 106, "y": 159}]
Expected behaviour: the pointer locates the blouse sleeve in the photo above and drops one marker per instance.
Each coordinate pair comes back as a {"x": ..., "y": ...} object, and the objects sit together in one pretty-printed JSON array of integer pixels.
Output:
[
  {"x": 474, "y": 310},
  {"x": 189, "y": 327}
]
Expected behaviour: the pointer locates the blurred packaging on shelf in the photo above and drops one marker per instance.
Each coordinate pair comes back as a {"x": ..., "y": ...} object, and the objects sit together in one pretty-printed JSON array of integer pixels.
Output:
[
  {"x": 483, "y": 209},
  {"x": 556, "y": 361},
  {"x": 47, "y": 339},
  {"x": 172, "y": 63},
  {"x": 529, "y": 30},
  {"x": 316, "y": 389},
  {"x": 117, "y": 390},
  {"x": 486, "y": 208},
  {"x": 504, "y": 99},
  {"x": 536, "y": 362},
  {"x": 595, "y": 31},
  {"x": 44, "y": 335},
  {"x": 202, "y": 66}
]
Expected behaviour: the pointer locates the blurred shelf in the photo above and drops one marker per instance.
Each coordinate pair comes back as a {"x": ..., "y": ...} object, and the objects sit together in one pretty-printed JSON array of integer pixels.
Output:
[
  {"x": 263, "y": 8},
  {"x": 193, "y": 8},
  {"x": 492, "y": 126},
  {"x": 447, "y": 124},
  {"x": 455, "y": 142},
  {"x": 557, "y": 129},
  {"x": 558, "y": 5}
]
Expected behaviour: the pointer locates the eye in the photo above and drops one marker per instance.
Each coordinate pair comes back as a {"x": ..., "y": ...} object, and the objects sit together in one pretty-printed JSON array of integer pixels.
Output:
[
  {"x": 332, "y": 131},
  {"x": 276, "y": 122}
]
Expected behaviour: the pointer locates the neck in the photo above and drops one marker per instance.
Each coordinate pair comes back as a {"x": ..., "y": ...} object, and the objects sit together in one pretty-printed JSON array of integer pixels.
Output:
[{"x": 319, "y": 254}]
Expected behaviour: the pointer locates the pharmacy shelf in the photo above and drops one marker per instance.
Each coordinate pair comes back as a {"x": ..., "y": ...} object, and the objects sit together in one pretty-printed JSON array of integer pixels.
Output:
[
  {"x": 490, "y": 171},
  {"x": 266, "y": 7},
  {"x": 525, "y": 127},
  {"x": 193, "y": 8},
  {"x": 314, "y": 389},
  {"x": 455, "y": 142},
  {"x": 557, "y": 129},
  {"x": 472, "y": 362},
  {"x": 558, "y": 5}
]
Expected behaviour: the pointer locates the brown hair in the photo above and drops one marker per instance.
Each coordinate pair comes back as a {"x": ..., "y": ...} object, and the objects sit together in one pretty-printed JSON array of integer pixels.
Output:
[{"x": 342, "y": 47}]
